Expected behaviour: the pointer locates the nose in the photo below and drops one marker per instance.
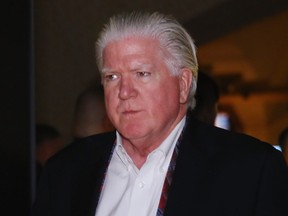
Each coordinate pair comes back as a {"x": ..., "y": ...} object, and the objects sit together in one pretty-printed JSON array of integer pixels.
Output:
[{"x": 127, "y": 88}]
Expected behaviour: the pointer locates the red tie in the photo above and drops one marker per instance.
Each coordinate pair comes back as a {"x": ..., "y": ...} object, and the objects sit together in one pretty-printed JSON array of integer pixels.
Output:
[{"x": 168, "y": 179}]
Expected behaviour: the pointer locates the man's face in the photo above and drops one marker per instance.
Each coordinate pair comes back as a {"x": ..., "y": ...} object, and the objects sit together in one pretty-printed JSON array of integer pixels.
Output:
[{"x": 143, "y": 100}]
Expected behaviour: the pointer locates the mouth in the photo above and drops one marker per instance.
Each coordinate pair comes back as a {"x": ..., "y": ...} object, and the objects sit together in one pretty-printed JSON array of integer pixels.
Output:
[{"x": 130, "y": 112}]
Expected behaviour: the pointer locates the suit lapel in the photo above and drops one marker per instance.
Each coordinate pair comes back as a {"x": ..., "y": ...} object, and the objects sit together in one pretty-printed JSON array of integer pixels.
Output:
[
  {"x": 89, "y": 179},
  {"x": 194, "y": 167}
]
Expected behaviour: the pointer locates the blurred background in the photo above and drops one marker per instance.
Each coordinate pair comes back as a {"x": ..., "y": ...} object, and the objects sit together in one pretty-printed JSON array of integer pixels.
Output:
[{"x": 49, "y": 46}]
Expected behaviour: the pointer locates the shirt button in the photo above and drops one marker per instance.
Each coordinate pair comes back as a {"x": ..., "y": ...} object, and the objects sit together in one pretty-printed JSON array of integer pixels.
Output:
[
  {"x": 141, "y": 184},
  {"x": 129, "y": 168}
]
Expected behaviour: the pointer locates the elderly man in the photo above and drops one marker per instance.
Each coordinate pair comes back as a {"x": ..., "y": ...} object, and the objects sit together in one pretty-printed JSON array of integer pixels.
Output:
[{"x": 159, "y": 161}]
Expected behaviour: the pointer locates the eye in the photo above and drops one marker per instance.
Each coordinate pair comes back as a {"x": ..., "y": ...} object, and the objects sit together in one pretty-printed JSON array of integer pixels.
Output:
[
  {"x": 110, "y": 77},
  {"x": 143, "y": 74}
]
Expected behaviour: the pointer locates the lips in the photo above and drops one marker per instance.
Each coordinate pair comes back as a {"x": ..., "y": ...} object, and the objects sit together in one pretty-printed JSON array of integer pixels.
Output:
[
  {"x": 127, "y": 109},
  {"x": 127, "y": 112}
]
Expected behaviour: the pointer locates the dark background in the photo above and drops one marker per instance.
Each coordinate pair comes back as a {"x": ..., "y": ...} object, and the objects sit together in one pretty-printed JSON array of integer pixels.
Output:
[
  {"x": 16, "y": 136},
  {"x": 17, "y": 180}
]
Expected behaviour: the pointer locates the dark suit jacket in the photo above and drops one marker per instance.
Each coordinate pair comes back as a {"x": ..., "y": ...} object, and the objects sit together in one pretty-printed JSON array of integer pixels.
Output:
[{"x": 217, "y": 173}]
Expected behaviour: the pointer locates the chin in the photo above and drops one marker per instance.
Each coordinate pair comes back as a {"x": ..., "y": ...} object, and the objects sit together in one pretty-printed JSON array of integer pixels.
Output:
[{"x": 132, "y": 132}]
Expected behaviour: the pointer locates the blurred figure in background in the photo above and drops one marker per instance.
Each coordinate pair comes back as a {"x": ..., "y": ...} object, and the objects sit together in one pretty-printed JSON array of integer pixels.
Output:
[
  {"x": 283, "y": 143},
  {"x": 48, "y": 142},
  {"x": 207, "y": 97},
  {"x": 90, "y": 114}
]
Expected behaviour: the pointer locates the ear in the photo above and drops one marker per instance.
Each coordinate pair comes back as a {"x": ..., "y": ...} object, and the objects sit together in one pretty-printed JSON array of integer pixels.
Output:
[{"x": 185, "y": 82}]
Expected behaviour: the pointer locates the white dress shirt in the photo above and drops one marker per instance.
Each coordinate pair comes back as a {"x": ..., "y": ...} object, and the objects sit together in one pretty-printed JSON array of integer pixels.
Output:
[{"x": 132, "y": 192}]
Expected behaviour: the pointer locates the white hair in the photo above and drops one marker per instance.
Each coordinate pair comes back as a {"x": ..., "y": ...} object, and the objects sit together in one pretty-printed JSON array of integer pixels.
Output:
[{"x": 173, "y": 39}]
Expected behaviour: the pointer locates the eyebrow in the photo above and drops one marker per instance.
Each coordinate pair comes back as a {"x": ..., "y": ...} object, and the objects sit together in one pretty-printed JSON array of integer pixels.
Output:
[{"x": 106, "y": 70}]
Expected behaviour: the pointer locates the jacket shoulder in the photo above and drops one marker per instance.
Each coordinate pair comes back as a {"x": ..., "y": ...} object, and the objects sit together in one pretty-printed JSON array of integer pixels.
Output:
[
  {"x": 84, "y": 149},
  {"x": 216, "y": 139}
]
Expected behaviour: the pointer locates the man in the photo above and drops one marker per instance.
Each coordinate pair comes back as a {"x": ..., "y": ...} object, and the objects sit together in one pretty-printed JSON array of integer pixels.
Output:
[{"x": 159, "y": 161}]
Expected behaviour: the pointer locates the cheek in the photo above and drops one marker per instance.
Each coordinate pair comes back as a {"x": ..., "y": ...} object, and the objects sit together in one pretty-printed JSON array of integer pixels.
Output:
[
  {"x": 111, "y": 110},
  {"x": 110, "y": 101},
  {"x": 165, "y": 97},
  {"x": 170, "y": 91}
]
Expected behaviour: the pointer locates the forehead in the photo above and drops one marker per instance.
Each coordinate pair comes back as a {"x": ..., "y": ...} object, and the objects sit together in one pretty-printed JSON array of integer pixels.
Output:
[
  {"x": 134, "y": 50},
  {"x": 134, "y": 43}
]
